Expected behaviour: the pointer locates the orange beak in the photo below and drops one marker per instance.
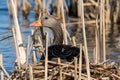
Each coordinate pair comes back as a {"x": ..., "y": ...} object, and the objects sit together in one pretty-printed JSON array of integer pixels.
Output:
[{"x": 36, "y": 23}]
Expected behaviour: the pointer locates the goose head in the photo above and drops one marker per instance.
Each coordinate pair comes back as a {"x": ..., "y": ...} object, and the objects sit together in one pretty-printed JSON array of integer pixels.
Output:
[{"x": 52, "y": 23}]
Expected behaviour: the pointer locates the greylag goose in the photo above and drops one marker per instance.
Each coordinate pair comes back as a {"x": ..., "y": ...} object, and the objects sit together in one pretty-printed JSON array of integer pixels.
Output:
[{"x": 57, "y": 48}]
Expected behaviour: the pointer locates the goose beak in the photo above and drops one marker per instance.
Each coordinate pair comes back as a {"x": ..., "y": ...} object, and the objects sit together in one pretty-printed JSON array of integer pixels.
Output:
[{"x": 37, "y": 23}]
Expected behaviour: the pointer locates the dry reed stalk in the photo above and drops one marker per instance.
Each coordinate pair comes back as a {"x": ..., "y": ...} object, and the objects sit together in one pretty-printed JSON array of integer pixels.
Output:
[
  {"x": 2, "y": 68},
  {"x": 46, "y": 57},
  {"x": 34, "y": 52},
  {"x": 49, "y": 1},
  {"x": 79, "y": 16},
  {"x": 80, "y": 62},
  {"x": 10, "y": 9},
  {"x": 66, "y": 6},
  {"x": 26, "y": 7},
  {"x": 40, "y": 48},
  {"x": 87, "y": 64},
  {"x": 97, "y": 39},
  {"x": 16, "y": 47},
  {"x": 63, "y": 20},
  {"x": 108, "y": 12},
  {"x": 2, "y": 75},
  {"x": 116, "y": 12},
  {"x": 38, "y": 8},
  {"x": 79, "y": 22},
  {"x": 101, "y": 15},
  {"x": 34, "y": 57},
  {"x": 62, "y": 64},
  {"x": 104, "y": 43},
  {"x": 79, "y": 10},
  {"x": 85, "y": 41},
  {"x": 5, "y": 71},
  {"x": 73, "y": 41},
  {"x": 27, "y": 50},
  {"x": 97, "y": 42},
  {"x": 118, "y": 77},
  {"x": 59, "y": 61},
  {"x": 1, "y": 72},
  {"x": 68, "y": 35},
  {"x": 94, "y": 55},
  {"x": 75, "y": 71},
  {"x": 90, "y": 4},
  {"x": 18, "y": 35},
  {"x": 93, "y": 2},
  {"x": 58, "y": 6},
  {"x": 30, "y": 73},
  {"x": 44, "y": 6}
]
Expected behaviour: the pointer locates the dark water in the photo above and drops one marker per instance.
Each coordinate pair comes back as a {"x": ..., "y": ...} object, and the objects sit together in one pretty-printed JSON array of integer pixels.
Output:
[{"x": 7, "y": 46}]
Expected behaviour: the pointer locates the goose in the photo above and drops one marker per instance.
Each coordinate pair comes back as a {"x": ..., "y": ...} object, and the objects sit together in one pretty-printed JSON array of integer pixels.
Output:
[{"x": 57, "y": 48}]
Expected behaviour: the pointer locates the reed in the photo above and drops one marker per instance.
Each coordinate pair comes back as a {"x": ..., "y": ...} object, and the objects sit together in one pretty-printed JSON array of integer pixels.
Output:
[
  {"x": 85, "y": 41},
  {"x": 46, "y": 58},
  {"x": 18, "y": 35},
  {"x": 16, "y": 48},
  {"x": 63, "y": 20},
  {"x": 80, "y": 62},
  {"x": 34, "y": 57},
  {"x": 61, "y": 76},
  {"x": 2, "y": 68},
  {"x": 75, "y": 71},
  {"x": 30, "y": 73},
  {"x": 1, "y": 72},
  {"x": 104, "y": 42},
  {"x": 97, "y": 34},
  {"x": 108, "y": 12}
]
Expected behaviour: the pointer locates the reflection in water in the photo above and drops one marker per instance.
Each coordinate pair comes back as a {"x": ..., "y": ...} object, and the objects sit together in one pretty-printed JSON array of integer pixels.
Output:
[
  {"x": 112, "y": 40},
  {"x": 113, "y": 37}
]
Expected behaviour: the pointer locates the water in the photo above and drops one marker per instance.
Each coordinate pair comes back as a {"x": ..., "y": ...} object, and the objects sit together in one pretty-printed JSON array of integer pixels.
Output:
[{"x": 7, "y": 46}]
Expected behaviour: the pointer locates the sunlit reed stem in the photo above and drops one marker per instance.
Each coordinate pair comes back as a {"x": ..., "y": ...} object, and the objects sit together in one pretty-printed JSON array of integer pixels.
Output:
[
  {"x": 16, "y": 48},
  {"x": 104, "y": 45},
  {"x": 80, "y": 62},
  {"x": 30, "y": 73},
  {"x": 18, "y": 35},
  {"x": 85, "y": 41},
  {"x": 64, "y": 23},
  {"x": 1, "y": 72},
  {"x": 46, "y": 58}
]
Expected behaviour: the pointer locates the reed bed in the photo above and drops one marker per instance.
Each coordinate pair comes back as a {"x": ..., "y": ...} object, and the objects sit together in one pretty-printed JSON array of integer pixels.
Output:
[{"x": 58, "y": 69}]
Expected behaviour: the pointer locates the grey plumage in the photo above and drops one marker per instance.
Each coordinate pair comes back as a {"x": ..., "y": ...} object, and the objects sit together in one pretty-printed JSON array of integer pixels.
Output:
[{"x": 52, "y": 23}]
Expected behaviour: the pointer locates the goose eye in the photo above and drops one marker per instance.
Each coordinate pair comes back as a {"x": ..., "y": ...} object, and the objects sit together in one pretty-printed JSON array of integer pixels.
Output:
[{"x": 46, "y": 17}]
